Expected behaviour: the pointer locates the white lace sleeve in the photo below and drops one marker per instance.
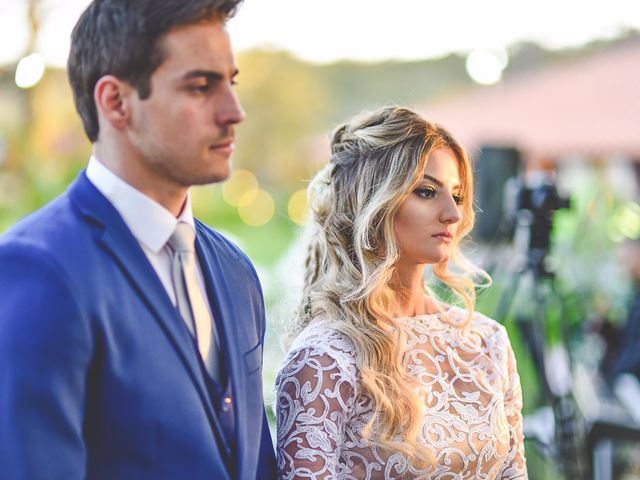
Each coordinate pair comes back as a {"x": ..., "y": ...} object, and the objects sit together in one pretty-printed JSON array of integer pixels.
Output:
[
  {"x": 315, "y": 394},
  {"x": 515, "y": 464}
]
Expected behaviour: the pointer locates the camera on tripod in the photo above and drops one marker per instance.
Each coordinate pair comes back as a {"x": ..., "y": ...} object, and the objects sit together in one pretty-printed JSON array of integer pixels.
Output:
[
  {"x": 535, "y": 201},
  {"x": 529, "y": 198},
  {"x": 542, "y": 200},
  {"x": 508, "y": 196}
]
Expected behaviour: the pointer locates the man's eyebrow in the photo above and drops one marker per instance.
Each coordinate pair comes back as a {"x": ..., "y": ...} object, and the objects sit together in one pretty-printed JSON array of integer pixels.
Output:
[
  {"x": 438, "y": 182},
  {"x": 209, "y": 75}
]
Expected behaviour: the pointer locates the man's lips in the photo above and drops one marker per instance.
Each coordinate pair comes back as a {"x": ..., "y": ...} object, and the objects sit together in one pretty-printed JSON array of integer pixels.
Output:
[{"x": 224, "y": 146}]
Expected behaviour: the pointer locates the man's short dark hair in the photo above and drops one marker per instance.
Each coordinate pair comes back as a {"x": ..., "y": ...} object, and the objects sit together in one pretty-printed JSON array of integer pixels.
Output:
[{"x": 123, "y": 38}]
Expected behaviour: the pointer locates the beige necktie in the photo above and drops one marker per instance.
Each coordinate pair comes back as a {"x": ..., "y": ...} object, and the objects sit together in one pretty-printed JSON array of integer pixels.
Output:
[{"x": 190, "y": 302}]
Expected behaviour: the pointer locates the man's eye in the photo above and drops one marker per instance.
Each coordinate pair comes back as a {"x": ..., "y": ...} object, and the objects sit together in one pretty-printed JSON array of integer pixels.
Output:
[
  {"x": 200, "y": 88},
  {"x": 425, "y": 192}
]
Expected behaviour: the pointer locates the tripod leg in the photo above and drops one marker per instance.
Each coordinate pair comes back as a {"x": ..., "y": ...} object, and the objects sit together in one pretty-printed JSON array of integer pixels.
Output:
[
  {"x": 603, "y": 460},
  {"x": 507, "y": 298}
]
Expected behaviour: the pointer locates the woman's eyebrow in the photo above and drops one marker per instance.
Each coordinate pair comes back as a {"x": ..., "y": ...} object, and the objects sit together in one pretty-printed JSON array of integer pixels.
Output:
[
  {"x": 433, "y": 179},
  {"x": 438, "y": 182}
]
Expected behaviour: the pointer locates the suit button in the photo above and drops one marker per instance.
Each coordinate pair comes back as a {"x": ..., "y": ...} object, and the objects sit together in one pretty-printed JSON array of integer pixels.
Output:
[{"x": 226, "y": 405}]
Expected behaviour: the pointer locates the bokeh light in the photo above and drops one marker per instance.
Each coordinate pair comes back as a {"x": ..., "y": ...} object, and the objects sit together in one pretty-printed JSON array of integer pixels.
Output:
[
  {"x": 241, "y": 188},
  {"x": 256, "y": 208},
  {"x": 297, "y": 208},
  {"x": 30, "y": 70},
  {"x": 625, "y": 223},
  {"x": 486, "y": 66}
]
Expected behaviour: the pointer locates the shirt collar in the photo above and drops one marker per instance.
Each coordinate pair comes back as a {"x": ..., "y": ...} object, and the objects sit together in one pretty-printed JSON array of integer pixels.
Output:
[{"x": 150, "y": 222}]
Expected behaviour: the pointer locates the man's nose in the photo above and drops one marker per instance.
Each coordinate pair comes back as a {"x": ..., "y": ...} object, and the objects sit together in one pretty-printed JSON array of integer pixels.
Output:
[{"x": 230, "y": 112}]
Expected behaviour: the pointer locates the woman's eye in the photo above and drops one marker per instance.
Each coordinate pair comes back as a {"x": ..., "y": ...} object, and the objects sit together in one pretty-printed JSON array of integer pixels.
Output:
[
  {"x": 459, "y": 199},
  {"x": 425, "y": 192}
]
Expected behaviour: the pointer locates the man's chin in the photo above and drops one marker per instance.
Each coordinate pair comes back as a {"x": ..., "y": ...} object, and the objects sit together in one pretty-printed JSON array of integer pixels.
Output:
[
  {"x": 219, "y": 175},
  {"x": 201, "y": 182},
  {"x": 218, "y": 170}
]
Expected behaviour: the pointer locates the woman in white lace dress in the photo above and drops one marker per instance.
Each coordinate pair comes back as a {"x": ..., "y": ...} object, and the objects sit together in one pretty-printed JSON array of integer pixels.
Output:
[{"x": 382, "y": 379}]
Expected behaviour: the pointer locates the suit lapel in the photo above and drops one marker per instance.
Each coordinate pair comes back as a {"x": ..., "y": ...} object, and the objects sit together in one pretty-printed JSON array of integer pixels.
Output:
[
  {"x": 116, "y": 238},
  {"x": 226, "y": 316}
]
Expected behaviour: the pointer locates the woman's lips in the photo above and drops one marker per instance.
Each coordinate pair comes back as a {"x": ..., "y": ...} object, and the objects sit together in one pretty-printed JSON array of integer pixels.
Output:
[{"x": 443, "y": 236}]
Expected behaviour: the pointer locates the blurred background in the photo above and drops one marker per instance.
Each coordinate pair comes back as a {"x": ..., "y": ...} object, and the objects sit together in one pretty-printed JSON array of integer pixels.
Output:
[{"x": 544, "y": 95}]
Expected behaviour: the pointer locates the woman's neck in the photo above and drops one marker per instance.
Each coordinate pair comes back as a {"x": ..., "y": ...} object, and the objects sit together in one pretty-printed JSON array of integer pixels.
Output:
[{"x": 410, "y": 299}]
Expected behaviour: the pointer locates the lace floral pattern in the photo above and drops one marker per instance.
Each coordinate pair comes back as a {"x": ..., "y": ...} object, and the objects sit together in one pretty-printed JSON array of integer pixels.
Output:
[{"x": 472, "y": 423}]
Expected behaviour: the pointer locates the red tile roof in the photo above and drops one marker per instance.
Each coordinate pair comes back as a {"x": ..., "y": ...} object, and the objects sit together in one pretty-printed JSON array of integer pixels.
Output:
[{"x": 588, "y": 107}]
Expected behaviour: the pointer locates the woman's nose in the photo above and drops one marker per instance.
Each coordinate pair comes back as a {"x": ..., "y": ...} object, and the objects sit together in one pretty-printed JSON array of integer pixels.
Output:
[{"x": 451, "y": 213}]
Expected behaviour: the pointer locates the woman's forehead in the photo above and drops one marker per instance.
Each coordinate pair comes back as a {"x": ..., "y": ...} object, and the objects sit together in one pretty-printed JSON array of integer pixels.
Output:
[{"x": 443, "y": 165}]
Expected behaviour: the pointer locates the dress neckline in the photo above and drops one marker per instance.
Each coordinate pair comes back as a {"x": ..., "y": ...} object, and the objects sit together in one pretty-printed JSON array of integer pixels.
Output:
[{"x": 449, "y": 309}]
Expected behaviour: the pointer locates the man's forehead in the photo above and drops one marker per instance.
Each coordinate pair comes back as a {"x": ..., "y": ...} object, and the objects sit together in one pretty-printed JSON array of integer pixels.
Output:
[
  {"x": 204, "y": 33},
  {"x": 203, "y": 45}
]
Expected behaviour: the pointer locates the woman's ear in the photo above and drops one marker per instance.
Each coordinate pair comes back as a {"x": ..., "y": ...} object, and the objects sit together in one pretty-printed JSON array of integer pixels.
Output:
[{"x": 112, "y": 97}]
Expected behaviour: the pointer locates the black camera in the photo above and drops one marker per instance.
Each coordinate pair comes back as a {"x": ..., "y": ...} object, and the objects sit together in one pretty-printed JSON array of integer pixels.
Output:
[
  {"x": 541, "y": 201},
  {"x": 544, "y": 200}
]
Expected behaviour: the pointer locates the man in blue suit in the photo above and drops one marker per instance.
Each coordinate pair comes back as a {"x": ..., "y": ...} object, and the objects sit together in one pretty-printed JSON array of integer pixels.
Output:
[{"x": 130, "y": 333}]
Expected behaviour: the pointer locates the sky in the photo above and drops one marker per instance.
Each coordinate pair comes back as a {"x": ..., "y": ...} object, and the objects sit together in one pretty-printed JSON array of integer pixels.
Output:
[{"x": 365, "y": 30}]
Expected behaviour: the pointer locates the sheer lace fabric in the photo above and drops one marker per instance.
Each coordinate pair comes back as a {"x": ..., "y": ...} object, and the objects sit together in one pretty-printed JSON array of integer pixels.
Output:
[{"x": 472, "y": 423}]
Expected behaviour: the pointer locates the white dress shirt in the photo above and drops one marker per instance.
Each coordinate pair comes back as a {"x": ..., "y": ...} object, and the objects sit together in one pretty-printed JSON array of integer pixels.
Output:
[{"x": 150, "y": 223}]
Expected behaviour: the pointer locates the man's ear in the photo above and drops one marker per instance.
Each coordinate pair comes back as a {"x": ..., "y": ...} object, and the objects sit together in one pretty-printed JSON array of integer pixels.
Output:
[{"x": 113, "y": 100}]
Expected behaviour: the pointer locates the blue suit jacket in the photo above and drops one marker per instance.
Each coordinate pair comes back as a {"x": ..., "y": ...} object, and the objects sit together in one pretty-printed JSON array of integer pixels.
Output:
[{"x": 99, "y": 377}]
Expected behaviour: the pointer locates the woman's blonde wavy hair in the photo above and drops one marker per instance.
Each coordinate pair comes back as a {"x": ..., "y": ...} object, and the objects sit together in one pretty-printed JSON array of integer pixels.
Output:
[{"x": 377, "y": 160}]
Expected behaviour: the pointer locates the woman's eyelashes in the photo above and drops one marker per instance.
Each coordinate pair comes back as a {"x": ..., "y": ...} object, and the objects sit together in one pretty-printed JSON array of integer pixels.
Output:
[
  {"x": 425, "y": 192},
  {"x": 428, "y": 192}
]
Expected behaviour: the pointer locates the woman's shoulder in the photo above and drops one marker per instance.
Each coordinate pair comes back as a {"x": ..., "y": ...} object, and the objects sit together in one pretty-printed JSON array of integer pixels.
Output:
[
  {"x": 493, "y": 332},
  {"x": 321, "y": 337},
  {"x": 481, "y": 320},
  {"x": 320, "y": 354},
  {"x": 323, "y": 332}
]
